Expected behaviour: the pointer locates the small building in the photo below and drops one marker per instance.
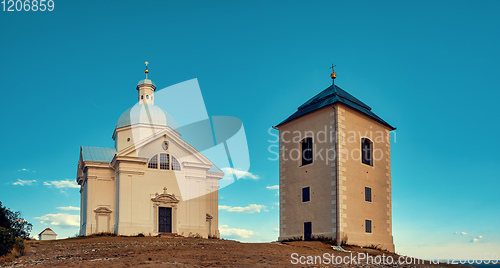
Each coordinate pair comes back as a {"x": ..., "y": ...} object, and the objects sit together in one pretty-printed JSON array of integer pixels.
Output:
[
  {"x": 47, "y": 234},
  {"x": 335, "y": 172}
]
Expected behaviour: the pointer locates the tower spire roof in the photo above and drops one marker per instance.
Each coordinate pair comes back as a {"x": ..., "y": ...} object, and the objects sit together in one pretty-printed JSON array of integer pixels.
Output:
[{"x": 331, "y": 95}]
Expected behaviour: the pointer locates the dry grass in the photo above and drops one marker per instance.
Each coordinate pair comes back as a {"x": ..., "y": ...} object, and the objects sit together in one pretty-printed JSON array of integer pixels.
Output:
[{"x": 116, "y": 251}]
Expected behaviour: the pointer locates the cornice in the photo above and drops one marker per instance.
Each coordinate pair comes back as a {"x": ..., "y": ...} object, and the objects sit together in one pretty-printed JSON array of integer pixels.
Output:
[{"x": 196, "y": 165}]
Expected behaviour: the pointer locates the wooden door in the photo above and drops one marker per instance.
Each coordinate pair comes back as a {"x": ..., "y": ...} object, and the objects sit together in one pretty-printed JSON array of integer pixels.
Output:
[{"x": 164, "y": 220}]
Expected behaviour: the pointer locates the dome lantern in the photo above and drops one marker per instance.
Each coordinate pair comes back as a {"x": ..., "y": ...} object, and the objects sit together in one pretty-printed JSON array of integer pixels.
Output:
[{"x": 146, "y": 89}]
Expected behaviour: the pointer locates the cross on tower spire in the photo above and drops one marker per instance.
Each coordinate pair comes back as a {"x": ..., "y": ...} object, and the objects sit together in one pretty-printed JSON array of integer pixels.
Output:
[{"x": 333, "y": 75}]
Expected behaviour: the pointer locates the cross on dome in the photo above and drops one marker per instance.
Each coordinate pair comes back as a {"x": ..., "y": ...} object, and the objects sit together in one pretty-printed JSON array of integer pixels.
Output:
[{"x": 146, "y": 71}]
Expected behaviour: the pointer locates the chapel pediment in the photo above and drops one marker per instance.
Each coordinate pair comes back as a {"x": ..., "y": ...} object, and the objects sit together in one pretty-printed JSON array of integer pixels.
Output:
[{"x": 167, "y": 140}]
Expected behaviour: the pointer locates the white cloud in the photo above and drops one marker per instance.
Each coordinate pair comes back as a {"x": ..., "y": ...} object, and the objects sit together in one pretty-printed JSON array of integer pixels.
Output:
[
  {"x": 24, "y": 182},
  {"x": 274, "y": 187},
  {"x": 26, "y": 170},
  {"x": 476, "y": 239},
  {"x": 248, "y": 209},
  {"x": 240, "y": 174},
  {"x": 276, "y": 229},
  {"x": 463, "y": 233},
  {"x": 242, "y": 233},
  {"x": 62, "y": 184},
  {"x": 60, "y": 219},
  {"x": 68, "y": 208}
]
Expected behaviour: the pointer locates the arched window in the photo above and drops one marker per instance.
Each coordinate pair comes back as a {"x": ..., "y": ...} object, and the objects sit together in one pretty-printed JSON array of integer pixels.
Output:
[
  {"x": 175, "y": 164},
  {"x": 167, "y": 162},
  {"x": 164, "y": 161},
  {"x": 153, "y": 162},
  {"x": 307, "y": 151},
  {"x": 366, "y": 152}
]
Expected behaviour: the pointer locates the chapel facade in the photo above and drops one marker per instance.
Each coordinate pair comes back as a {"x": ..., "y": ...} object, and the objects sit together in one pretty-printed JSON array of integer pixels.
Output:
[
  {"x": 335, "y": 172},
  {"x": 151, "y": 182}
]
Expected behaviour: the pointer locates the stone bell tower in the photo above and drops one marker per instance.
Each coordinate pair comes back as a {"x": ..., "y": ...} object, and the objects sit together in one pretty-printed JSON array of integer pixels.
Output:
[{"x": 335, "y": 171}]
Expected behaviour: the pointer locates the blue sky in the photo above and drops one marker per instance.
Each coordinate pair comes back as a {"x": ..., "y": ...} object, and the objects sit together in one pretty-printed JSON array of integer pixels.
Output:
[{"x": 427, "y": 67}]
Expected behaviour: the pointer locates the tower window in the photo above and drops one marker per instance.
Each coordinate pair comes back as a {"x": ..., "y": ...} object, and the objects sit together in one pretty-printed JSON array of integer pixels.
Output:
[
  {"x": 366, "y": 152},
  {"x": 306, "y": 194},
  {"x": 175, "y": 164},
  {"x": 164, "y": 161},
  {"x": 307, "y": 151},
  {"x": 147, "y": 97},
  {"x": 142, "y": 97},
  {"x": 368, "y": 194},
  {"x": 368, "y": 226},
  {"x": 153, "y": 162}
]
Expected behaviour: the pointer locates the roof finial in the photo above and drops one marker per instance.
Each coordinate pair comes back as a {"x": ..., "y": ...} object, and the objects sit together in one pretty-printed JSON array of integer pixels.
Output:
[
  {"x": 146, "y": 71},
  {"x": 333, "y": 75}
]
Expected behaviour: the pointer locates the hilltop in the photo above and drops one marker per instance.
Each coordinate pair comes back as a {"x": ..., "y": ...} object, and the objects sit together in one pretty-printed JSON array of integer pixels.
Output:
[{"x": 179, "y": 252}]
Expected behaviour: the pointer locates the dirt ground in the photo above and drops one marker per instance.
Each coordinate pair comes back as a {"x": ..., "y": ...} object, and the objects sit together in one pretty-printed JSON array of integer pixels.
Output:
[{"x": 181, "y": 252}]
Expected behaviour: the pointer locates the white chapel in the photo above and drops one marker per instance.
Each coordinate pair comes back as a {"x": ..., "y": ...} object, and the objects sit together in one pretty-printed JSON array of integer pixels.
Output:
[{"x": 151, "y": 182}]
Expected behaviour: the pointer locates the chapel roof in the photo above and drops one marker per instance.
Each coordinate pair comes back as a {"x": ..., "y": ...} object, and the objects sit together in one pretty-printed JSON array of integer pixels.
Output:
[
  {"x": 98, "y": 154},
  {"x": 216, "y": 169},
  {"x": 331, "y": 95}
]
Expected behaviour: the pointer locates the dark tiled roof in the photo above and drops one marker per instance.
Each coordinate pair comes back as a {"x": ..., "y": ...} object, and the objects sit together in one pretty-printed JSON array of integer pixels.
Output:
[{"x": 329, "y": 96}]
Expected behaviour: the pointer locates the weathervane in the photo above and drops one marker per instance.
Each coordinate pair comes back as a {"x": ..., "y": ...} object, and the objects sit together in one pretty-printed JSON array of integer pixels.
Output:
[
  {"x": 333, "y": 75},
  {"x": 146, "y": 71}
]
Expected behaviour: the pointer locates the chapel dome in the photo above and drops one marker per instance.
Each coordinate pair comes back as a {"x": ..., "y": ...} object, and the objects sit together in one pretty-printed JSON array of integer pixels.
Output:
[{"x": 142, "y": 114}]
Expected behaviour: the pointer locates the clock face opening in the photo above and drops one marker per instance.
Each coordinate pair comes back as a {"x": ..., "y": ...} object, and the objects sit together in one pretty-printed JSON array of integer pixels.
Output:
[{"x": 165, "y": 145}]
